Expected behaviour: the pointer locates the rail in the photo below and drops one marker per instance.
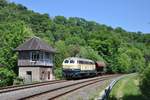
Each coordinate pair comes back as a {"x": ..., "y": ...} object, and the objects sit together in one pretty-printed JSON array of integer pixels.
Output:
[
  {"x": 19, "y": 87},
  {"x": 60, "y": 91},
  {"x": 49, "y": 90}
]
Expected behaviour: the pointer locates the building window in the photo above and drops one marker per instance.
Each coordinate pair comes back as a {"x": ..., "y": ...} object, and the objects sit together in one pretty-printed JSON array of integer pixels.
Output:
[
  {"x": 35, "y": 56},
  {"x": 41, "y": 56},
  {"x": 47, "y": 55},
  {"x": 29, "y": 73}
]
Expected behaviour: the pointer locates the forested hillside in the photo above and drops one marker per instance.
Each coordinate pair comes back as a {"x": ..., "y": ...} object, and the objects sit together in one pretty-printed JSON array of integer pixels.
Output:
[{"x": 124, "y": 52}]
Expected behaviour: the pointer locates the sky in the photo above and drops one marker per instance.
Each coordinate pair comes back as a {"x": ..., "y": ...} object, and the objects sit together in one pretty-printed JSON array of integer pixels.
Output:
[{"x": 131, "y": 15}]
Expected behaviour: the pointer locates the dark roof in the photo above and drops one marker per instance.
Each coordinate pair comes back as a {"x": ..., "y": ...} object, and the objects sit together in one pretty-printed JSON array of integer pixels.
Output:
[{"x": 35, "y": 43}]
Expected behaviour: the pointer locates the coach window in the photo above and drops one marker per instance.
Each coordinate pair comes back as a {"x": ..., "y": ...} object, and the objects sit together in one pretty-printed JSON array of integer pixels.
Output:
[
  {"x": 80, "y": 62},
  {"x": 91, "y": 62},
  {"x": 71, "y": 61},
  {"x": 85, "y": 62}
]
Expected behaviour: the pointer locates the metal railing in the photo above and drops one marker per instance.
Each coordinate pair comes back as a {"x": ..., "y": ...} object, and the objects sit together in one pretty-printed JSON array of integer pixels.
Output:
[{"x": 105, "y": 93}]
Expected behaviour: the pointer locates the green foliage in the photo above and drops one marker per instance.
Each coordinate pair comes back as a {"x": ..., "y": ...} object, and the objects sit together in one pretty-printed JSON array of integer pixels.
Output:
[
  {"x": 127, "y": 88},
  {"x": 124, "y": 63},
  {"x": 60, "y": 20},
  {"x": 130, "y": 59},
  {"x": 73, "y": 50},
  {"x": 145, "y": 82},
  {"x": 123, "y": 51},
  {"x": 3, "y": 3},
  {"x": 6, "y": 77},
  {"x": 62, "y": 53},
  {"x": 75, "y": 41},
  {"x": 12, "y": 34},
  {"x": 88, "y": 52},
  {"x": 58, "y": 73},
  {"x": 18, "y": 81}
]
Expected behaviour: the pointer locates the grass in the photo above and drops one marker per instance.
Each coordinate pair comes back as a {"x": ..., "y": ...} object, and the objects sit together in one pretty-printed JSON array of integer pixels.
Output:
[{"x": 127, "y": 89}]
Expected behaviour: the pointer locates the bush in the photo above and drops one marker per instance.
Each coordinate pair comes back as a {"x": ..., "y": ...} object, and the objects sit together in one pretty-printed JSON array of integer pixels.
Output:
[
  {"x": 145, "y": 82},
  {"x": 58, "y": 73},
  {"x": 18, "y": 81},
  {"x": 6, "y": 77}
]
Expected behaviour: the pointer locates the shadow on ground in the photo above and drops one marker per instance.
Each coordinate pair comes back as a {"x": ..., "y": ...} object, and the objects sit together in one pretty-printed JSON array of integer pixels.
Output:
[{"x": 128, "y": 97}]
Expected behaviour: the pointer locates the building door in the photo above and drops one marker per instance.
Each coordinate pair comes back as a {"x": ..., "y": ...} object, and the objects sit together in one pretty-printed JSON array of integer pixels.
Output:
[
  {"x": 29, "y": 77},
  {"x": 48, "y": 75}
]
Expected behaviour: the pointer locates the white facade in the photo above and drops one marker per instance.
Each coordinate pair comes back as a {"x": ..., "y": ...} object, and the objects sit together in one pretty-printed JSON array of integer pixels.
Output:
[
  {"x": 35, "y": 66},
  {"x": 33, "y": 74},
  {"x": 35, "y": 60}
]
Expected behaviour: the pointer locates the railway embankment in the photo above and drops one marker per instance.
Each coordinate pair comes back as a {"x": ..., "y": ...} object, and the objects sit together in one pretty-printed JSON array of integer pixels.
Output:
[{"x": 127, "y": 88}]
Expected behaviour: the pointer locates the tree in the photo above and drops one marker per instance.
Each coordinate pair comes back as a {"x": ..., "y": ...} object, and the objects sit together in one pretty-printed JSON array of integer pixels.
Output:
[
  {"x": 130, "y": 59},
  {"x": 3, "y": 3},
  {"x": 62, "y": 53},
  {"x": 60, "y": 20},
  {"x": 6, "y": 77},
  {"x": 75, "y": 40},
  {"x": 74, "y": 50},
  {"x": 88, "y": 52},
  {"x": 123, "y": 51},
  {"x": 12, "y": 34},
  {"x": 145, "y": 82},
  {"x": 123, "y": 63}
]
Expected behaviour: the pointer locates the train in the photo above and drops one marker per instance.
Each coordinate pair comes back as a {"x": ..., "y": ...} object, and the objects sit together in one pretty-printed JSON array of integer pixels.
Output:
[{"x": 75, "y": 67}]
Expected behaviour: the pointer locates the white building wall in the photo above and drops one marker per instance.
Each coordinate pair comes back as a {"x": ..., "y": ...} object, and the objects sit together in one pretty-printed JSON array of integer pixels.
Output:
[
  {"x": 46, "y": 70},
  {"x": 38, "y": 73},
  {"x": 34, "y": 70}
]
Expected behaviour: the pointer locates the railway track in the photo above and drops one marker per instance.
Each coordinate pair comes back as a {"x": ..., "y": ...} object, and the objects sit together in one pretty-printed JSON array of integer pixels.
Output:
[
  {"x": 60, "y": 91},
  {"x": 51, "y": 90},
  {"x": 25, "y": 86}
]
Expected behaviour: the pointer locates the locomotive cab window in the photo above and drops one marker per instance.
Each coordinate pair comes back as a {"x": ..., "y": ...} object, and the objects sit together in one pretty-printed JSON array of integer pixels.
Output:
[
  {"x": 66, "y": 61},
  {"x": 71, "y": 61}
]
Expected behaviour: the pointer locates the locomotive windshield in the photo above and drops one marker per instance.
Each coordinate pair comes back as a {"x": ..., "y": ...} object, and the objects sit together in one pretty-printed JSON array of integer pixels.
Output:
[
  {"x": 71, "y": 61},
  {"x": 66, "y": 61}
]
